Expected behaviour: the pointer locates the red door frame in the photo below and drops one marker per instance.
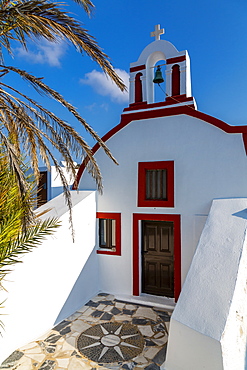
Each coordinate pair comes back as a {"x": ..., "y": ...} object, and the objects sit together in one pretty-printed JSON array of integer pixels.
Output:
[{"x": 136, "y": 249}]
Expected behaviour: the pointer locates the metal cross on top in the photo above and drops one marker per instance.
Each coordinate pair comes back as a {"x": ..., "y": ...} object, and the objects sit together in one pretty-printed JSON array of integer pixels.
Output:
[{"x": 157, "y": 32}]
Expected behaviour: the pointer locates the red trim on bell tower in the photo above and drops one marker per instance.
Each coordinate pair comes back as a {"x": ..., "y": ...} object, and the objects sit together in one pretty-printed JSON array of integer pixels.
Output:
[
  {"x": 176, "y": 59},
  {"x": 137, "y": 68}
]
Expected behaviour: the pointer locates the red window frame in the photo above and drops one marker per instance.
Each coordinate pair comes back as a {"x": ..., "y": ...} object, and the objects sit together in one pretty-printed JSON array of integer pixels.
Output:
[
  {"x": 162, "y": 165},
  {"x": 117, "y": 218}
]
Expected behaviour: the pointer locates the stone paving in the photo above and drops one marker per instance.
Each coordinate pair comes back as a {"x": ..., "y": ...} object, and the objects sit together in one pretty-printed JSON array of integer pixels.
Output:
[{"x": 103, "y": 334}]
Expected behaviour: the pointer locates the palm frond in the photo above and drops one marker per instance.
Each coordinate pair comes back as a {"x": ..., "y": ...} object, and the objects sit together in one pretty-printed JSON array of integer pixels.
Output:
[
  {"x": 12, "y": 250},
  {"x": 35, "y": 120},
  {"x": 87, "y": 5},
  {"x": 71, "y": 133},
  {"x": 34, "y": 126},
  {"x": 21, "y": 20},
  {"x": 14, "y": 162},
  {"x": 41, "y": 87},
  {"x": 26, "y": 124}
]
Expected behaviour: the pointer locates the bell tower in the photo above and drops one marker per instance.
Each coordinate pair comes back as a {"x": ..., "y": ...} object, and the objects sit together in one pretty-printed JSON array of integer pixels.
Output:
[{"x": 175, "y": 67}]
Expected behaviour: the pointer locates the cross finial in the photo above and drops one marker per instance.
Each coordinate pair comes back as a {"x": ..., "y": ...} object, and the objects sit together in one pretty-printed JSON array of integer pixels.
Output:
[{"x": 157, "y": 32}]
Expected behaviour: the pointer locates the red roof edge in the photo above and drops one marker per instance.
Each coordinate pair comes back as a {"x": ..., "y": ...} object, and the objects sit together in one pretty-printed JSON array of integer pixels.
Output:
[{"x": 164, "y": 112}]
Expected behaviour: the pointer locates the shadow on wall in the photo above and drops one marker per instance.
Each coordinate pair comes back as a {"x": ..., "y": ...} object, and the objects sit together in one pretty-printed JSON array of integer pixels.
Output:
[
  {"x": 245, "y": 368},
  {"x": 241, "y": 214},
  {"x": 55, "y": 191},
  {"x": 85, "y": 287}
]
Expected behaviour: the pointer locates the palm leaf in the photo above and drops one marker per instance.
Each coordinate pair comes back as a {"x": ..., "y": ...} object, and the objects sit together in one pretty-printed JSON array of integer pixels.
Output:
[
  {"x": 12, "y": 249},
  {"x": 22, "y": 20},
  {"x": 24, "y": 123}
]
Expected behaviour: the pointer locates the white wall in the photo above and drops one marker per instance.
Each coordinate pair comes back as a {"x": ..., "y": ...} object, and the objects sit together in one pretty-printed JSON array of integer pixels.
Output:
[
  {"x": 52, "y": 281},
  {"x": 209, "y": 163},
  {"x": 209, "y": 323},
  {"x": 191, "y": 350},
  {"x": 234, "y": 337}
]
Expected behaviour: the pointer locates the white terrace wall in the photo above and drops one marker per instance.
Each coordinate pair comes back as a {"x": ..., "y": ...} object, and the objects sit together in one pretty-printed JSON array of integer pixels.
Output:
[
  {"x": 52, "y": 281},
  {"x": 210, "y": 327},
  {"x": 209, "y": 163}
]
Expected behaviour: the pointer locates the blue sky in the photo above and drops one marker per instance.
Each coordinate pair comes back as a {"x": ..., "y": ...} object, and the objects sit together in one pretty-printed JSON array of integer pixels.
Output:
[{"x": 214, "y": 32}]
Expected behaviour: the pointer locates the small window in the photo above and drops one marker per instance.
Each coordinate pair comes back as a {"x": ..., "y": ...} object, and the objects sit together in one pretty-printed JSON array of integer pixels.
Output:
[
  {"x": 107, "y": 233},
  {"x": 156, "y": 184},
  {"x": 42, "y": 189},
  {"x": 109, "y": 229}
]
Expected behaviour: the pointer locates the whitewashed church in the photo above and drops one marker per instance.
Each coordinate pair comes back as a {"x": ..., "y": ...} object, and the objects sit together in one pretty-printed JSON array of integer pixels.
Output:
[{"x": 170, "y": 225}]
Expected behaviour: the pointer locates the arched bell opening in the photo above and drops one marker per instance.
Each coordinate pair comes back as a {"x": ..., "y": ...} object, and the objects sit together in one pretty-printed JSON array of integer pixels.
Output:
[
  {"x": 175, "y": 80},
  {"x": 138, "y": 88},
  {"x": 159, "y": 81}
]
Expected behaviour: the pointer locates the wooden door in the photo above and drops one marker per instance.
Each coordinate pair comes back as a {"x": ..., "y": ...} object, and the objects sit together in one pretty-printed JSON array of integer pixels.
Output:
[
  {"x": 42, "y": 189},
  {"x": 158, "y": 258}
]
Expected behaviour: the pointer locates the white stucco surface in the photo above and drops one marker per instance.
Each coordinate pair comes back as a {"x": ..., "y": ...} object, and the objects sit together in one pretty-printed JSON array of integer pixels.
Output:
[
  {"x": 208, "y": 162},
  {"x": 234, "y": 338},
  {"x": 210, "y": 314},
  {"x": 52, "y": 281},
  {"x": 168, "y": 47},
  {"x": 191, "y": 350}
]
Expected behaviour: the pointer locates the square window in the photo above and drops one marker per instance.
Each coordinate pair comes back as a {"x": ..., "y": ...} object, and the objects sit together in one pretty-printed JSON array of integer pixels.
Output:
[
  {"x": 156, "y": 184},
  {"x": 109, "y": 229}
]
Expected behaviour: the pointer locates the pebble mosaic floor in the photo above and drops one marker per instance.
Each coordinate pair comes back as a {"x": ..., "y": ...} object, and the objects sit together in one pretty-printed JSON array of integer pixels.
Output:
[{"x": 103, "y": 334}]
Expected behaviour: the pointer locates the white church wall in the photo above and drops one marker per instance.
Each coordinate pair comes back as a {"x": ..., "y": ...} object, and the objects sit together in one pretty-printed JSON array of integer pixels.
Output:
[
  {"x": 210, "y": 327},
  {"x": 116, "y": 271},
  {"x": 52, "y": 281},
  {"x": 209, "y": 163}
]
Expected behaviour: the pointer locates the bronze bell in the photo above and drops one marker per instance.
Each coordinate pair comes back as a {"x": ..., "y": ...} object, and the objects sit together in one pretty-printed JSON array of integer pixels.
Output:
[{"x": 158, "y": 78}]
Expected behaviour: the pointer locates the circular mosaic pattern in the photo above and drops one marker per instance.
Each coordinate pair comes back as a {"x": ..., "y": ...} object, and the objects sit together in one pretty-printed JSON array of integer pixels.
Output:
[{"x": 111, "y": 342}]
